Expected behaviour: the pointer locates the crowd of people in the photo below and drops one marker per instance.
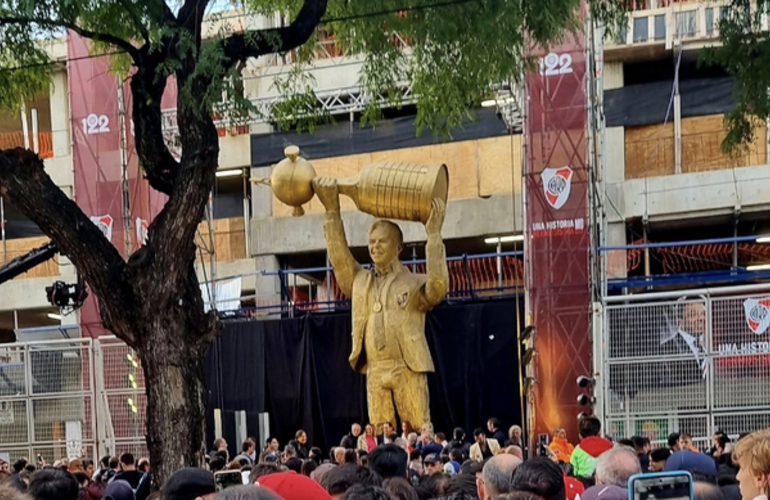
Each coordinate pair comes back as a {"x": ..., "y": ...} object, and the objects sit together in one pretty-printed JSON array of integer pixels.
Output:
[{"x": 415, "y": 466}]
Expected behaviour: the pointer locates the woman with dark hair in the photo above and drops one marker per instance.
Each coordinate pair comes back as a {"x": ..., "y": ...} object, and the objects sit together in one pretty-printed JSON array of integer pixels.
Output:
[
  {"x": 406, "y": 427},
  {"x": 300, "y": 444},
  {"x": 308, "y": 466}
]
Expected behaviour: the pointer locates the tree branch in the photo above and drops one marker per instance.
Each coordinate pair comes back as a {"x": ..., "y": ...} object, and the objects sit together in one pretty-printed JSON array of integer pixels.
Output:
[
  {"x": 24, "y": 182},
  {"x": 191, "y": 17},
  {"x": 242, "y": 46},
  {"x": 137, "y": 21},
  {"x": 59, "y": 23}
]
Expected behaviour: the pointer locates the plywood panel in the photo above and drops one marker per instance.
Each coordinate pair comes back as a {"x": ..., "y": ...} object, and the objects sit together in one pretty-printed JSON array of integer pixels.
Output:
[
  {"x": 649, "y": 151},
  {"x": 21, "y": 246},
  {"x": 500, "y": 163},
  {"x": 702, "y": 138},
  {"x": 229, "y": 239}
]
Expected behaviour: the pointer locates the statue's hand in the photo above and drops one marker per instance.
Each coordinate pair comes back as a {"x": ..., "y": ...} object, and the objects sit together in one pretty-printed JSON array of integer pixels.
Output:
[
  {"x": 328, "y": 192},
  {"x": 436, "y": 218}
]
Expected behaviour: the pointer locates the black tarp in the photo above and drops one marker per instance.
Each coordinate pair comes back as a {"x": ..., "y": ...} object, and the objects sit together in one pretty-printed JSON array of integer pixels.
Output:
[
  {"x": 297, "y": 370},
  {"x": 344, "y": 138},
  {"x": 646, "y": 104}
]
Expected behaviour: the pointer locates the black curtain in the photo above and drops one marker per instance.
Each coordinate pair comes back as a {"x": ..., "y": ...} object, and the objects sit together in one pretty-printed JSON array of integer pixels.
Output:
[{"x": 297, "y": 371}]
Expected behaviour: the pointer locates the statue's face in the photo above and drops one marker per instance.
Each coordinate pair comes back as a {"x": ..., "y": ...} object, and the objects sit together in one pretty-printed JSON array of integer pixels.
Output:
[{"x": 383, "y": 246}]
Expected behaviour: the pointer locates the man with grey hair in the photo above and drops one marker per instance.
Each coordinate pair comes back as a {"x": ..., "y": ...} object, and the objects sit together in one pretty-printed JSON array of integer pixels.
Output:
[
  {"x": 497, "y": 476},
  {"x": 615, "y": 466}
]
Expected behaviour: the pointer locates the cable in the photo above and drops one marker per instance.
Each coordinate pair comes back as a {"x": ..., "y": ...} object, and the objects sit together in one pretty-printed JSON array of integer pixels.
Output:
[{"x": 328, "y": 20}]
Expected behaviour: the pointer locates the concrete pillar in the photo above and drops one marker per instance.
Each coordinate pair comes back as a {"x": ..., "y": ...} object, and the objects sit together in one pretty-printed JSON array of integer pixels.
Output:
[
  {"x": 261, "y": 195},
  {"x": 267, "y": 288},
  {"x": 60, "y": 114}
]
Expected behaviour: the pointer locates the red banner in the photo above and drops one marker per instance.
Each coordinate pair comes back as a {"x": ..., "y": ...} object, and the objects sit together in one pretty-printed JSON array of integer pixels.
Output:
[
  {"x": 103, "y": 144},
  {"x": 556, "y": 183}
]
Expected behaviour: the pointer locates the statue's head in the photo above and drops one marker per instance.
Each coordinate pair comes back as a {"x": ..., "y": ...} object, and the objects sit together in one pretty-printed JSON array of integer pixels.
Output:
[{"x": 385, "y": 242}]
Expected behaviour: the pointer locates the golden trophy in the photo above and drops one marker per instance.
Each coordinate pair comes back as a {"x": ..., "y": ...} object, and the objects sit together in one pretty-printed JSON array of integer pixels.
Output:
[{"x": 394, "y": 190}]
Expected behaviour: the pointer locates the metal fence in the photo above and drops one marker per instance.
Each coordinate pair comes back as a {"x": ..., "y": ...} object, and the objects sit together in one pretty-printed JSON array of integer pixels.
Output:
[
  {"x": 690, "y": 362},
  {"x": 66, "y": 398}
]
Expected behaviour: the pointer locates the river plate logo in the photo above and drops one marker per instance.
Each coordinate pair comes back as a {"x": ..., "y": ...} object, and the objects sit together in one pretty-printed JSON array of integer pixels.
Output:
[
  {"x": 757, "y": 314},
  {"x": 557, "y": 183}
]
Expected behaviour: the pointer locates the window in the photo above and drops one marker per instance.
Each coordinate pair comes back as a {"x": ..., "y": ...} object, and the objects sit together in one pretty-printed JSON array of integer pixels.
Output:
[
  {"x": 660, "y": 27},
  {"x": 709, "y": 21},
  {"x": 686, "y": 24},
  {"x": 641, "y": 28}
]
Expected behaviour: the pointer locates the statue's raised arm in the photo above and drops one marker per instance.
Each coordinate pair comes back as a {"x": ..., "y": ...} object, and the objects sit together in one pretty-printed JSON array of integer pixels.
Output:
[{"x": 437, "y": 274}]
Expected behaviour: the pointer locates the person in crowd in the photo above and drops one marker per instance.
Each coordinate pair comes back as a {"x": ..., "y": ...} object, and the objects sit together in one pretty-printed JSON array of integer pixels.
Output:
[
  {"x": 19, "y": 465},
  {"x": 291, "y": 460},
  {"x": 497, "y": 476},
  {"x": 714, "y": 440},
  {"x": 433, "y": 465},
  {"x": 290, "y": 486},
  {"x": 458, "y": 442},
  {"x": 247, "y": 450},
  {"x": 752, "y": 454},
  {"x": 591, "y": 446},
  {"x": 415, "y": 462},
  {"x": 338, "y": 455},
  {"x": 53, "y": 484},
  {"x": 694, "y": 463},
  {"x": 514, "y": 437},
  {"x": 542, "y": 477},
  {"x": 272, "y": 445},
  {"x": 321, "y": 471},
  {"x": 388, "y": 461},
  {"x": 387, "y": 431},
  {"x": 429, "y": 445},
  {"x": 673, "y": 442},
  {"x": 722, "y": 446},
  {"x": 351, "y": 440},
  {"x": 104, "y": 465},
  {"x": 561, "y": 448},
  {"x": 412, "y": 441},
  {"x": 363, "y": 492},
  {"x": 616, "y": 465},
  {"x": 406, "y": 429},
  {"x": 455, "y": 459},
  {"x": 74, "y": 465},
  {"x": 316, "y": 455},
  {"x": 8, "y": 493},
  {"x": 440, "y": 438},
  {"x": 119, "y": 489},
  {"x": 399, "y": 489},
  {"x": 363, "y": 458},
  {"x": 350, "y": 457},
  {"x": 483, "y": 448},
  {"x": 300, "y": 444},
  {"x": 493, "y": 426},
  {"x": 517, "y": 452},
  {"x": 703, "y": 490},
  {"x": 220, "y": 444},
  {"x": 685, "y": 443},
  {"x": 658, "y": 459},
  {"x": 367, "y": 441},
  {"x": 260, "y": 470},
  {"x": 247, "y": 493},
  {"x": 308, "y": 466},
  {"x": 642, "y": 447},
  {"x": 340, "y": 479},
  {"x": 128, "y": 472},
  {"x": 88, "y": 467}
]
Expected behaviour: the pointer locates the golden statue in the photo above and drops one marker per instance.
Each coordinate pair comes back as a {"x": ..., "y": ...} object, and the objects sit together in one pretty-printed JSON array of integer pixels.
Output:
[
  {"x": 389, "y": 302},
  {"x": 389, "y": 305}
]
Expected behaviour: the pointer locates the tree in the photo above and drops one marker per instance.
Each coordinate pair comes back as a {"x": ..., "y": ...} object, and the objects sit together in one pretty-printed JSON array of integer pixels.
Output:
[
  {"x": 459, "y": 50},
  {"x": 744, "y": 53}
]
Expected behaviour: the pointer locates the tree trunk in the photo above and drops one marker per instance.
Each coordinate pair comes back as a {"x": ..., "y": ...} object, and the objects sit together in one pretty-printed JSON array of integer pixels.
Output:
[{"x": 173, "y": 364}]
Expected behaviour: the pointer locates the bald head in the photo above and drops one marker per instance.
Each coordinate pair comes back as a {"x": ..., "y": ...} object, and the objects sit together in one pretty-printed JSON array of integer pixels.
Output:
[
  {"x": 498, "y": 474},
  {"x": 515, "y": 451},
  {"x": 616, "y": 465}
]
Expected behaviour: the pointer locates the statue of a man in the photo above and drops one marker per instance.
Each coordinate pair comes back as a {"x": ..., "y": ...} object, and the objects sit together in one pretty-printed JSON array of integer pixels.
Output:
[{"x": 389, "y": 305}]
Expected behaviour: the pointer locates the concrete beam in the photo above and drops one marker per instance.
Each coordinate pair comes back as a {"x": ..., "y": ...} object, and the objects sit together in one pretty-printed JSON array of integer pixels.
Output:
[
  {"x": 697, "y": 194},
  {"x": 28, "y": 293},
  {"x": 465, "y": 219}
]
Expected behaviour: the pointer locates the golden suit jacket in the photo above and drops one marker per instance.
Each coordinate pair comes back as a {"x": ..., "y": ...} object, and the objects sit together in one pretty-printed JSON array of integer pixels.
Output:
[{"x": 406, "y": 297}]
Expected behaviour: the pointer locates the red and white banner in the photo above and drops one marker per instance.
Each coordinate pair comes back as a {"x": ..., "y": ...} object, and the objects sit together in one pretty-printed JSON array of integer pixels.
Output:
[
  {"x": 97, "y": 133},
  {"x": 556, "y": 183}
]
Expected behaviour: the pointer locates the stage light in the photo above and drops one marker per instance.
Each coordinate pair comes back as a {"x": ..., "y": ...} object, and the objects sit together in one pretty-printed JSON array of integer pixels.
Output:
[
  {"x": 758, "y": 267},
  {"x": 584, "y": 382},
  {"x": 230, "y": 173},
  {"x": 584, "y": 400},
  {"x": 57, "y": 317},
  {"x": 528, "y": 332},
  {"x": 763, "y": 239},
  {"x": 504, "y": 239}
]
